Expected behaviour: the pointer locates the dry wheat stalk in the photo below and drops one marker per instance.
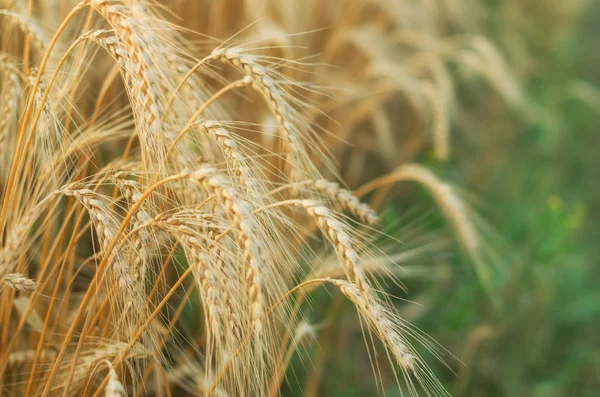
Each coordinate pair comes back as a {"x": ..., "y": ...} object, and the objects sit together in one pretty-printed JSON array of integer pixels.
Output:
[{"x": 337, "y": 233}]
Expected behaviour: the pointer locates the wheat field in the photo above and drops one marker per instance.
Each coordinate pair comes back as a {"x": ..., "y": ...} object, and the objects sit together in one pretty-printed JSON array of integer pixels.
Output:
[{"x": 185, "y": 182}]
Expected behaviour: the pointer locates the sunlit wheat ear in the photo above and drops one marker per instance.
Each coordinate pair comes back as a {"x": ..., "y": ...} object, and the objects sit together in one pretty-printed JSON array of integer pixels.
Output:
[
  {"x": 18, "y": 240},
  {"x": 140, "y": 241},
  {"x": 498, "y": 72},
  {"x": 233, "y": 154},
  {"x": 486, "y": 61},
  {"x": 453, "y": 208},
  {"x": 133, "y": 53},
  {"x": 240, "y": 214},
  {"x": 48, "y": 134},
  {"x": 106, "y": 228},
  {"x": 346, "y": 200},
  {"x": 337, "y": 233},
  {"x": 20, "y": 282},
  {"x": 9, "y": 98},
  {"x": 28, "y": 26},
  {"x": 215, "y": 275},
  {"x": 131, "y": 298},
  {"x": 195, "y": 231},
  {"x": 24, "y": 357},
  {"x": 91, "y": 356},
  {"x": 293, "y": 150},
  {"x": 390, "y": 331},
  {"x": 114, "y": 387}
]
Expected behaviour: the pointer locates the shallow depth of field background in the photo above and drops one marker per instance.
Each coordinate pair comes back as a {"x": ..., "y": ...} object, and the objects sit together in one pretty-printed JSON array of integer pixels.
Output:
[{"x": 542, "y": 201}]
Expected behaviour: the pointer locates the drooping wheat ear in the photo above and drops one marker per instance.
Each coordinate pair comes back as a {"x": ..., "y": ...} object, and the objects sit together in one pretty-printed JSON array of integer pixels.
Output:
[
  {"x": 197, "y": 230},
  {"x": 453, "y": 208},
  {"x": 229, "y": 285},
  {"x": 379, "y": 320},
  {"x": 275, "y": 98},
  {"x": 23, "y": 357},
  {"x": 232, "y": 152},
  {"x": 204, "y": 270},
  {"x": 485, "y": 59},
  {"x": 114, "y": 387},
  {"x": 29, "y": 27},
  {"x": 346, "y": 200},
  {"x": 16, "y": 240},
  {"x": 20, "y": 282},
  {"x": 223, "y": 272},
  {"x": 133, "y": 54},
  {"x": 240, "y": 214},
  {"x": 391, "y": 332},
  {"x": 106, "y": 228},
  {"x": 89, "y": 357},
  {"x": 219, "y": 276},
  {"x": 132, "y": 191},
  {"x": 9, "y": 97},
  {"x": 337, "y": 233},
  {"x": 48, "y": 134}
]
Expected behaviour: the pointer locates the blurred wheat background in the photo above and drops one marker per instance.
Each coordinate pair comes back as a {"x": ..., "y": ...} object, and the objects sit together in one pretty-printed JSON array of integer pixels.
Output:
[{"x": 299, "y": 198}]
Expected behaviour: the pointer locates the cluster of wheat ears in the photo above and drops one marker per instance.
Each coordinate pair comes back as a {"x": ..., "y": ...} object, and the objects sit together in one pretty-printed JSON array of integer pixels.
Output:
[{"x": 146, "y": 168}]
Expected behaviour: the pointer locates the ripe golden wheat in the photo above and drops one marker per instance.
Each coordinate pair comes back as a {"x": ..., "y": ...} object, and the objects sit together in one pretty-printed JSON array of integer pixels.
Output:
[{"x": 145, "y": 168}]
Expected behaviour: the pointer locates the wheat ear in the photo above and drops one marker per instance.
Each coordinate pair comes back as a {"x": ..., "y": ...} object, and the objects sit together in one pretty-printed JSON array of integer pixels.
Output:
[
  {"x": 29, "y": 28},
  {"x": 241, "y": 216},
  {"x": 232, "y": 152},
  {"x": 133, "y": 54},
  {"x": 390, "y": 332},
  {"x": 346, "y": 200},
  {"x": 9, "y": 97},
  {"x": 23, "y": 357},
  {"x": 114, "y": 387},
  {"x": 20, "y": 282},
  {"x": 274, "y": 97},
  {"x": 106, "y": 228}
]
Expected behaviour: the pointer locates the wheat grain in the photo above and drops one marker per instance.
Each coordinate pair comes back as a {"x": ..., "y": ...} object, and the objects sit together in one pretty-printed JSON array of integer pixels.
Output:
[{"x": 20, "y": 282}]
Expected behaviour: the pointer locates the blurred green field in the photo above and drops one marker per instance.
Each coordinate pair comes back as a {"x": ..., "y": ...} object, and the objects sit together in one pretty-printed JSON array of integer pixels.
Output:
[{"x": 536, "y": 331}]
